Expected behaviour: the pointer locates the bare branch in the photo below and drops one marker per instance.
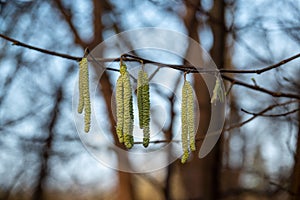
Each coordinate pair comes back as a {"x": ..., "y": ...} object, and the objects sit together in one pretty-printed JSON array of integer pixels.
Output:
[
  {"x": 168, "y": 141},
  {"x": 185, "y": 68},
  {"x": 272, "y": 115},
  {"x": 45, "y": 51},
  {"x": 257, "y": 88},
  {"x": 260, "y": 114},
  {"x": 262, "y": 70},
  {"x": 127, "y": 57}
]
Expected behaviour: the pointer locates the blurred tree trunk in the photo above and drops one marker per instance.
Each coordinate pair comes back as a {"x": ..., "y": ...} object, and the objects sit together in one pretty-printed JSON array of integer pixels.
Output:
[
  {"x": 295, "y": 178},
  {"x": 201, "y": 176},
  {"x": 124, "y": 190},
  {"x": 43, "y": 173}
]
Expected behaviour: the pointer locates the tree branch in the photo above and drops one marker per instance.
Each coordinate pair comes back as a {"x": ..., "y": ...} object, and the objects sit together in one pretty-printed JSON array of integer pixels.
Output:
[
  {"x": 258, "y": 88},
  {"x": 168, "y": 141},
  {"x": 128, "y": 57},
  {"x": 262, "y": 70},
  {"x": 184, "y": 68},
  {"x": 271, "y": 115},
  {"x": 45, "y": 51},
  {"x": 260, "y": 114}
]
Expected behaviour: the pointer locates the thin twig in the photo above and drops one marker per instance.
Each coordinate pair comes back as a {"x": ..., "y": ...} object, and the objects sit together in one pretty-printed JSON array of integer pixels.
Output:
[
  {"x": 184, "y": 68},
  {"x": 45, "y": 51},
  {"x": 128, "y": 57},
  {"x": 255, "y": 87},
  {"x": 262, "y": 70},
  {"x": 259, "y": 114},
  {"x": 168, "y": 141},
  {"x": 271, "y": 115}
]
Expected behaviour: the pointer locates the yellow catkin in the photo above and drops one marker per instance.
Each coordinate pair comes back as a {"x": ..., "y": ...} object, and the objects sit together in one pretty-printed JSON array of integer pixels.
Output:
[
  {"x": 143, "y": 96},
  {"x": 184, "y": 126},
  {"x": 140, "y": 97},
  {"x": 80, "y": 102},
  {"x": 128, "y": 111},
  {"x": 187, "y": 121},
  {"x": 86, "y": 96},
  {"x": 129, "y": 141},
  {"x": 120, "y": 109},
  {"x": 124, "y": 108},
  {"x": 84, "y": 93},
  {"x": 146, "y": 110},
  {"x": 190, "y": 116}
]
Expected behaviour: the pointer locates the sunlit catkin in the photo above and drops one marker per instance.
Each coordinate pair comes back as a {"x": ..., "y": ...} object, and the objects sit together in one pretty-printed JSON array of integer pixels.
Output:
[
  {"x": 187, "y": 121},
  {"x": 81, "y": 101},
  {"x": 120, "y": 108},
  {"x": 140, "y": 97},
  {"x": 84, "y": 93},
  {"x": 190, "y": 116},
  {"x": 184, "y": 126},
  {"x": 124, "y": 108},
  {"x": 143, "y": 96}
]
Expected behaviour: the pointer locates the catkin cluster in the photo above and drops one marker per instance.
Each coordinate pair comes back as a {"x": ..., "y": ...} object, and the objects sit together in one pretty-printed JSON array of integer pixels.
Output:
[
  {"x": 143, "y": 97},
  {"x": 84, "y": 93},
  {"x": 187, "y": 121},
  {"x": 124, "y": 108}
]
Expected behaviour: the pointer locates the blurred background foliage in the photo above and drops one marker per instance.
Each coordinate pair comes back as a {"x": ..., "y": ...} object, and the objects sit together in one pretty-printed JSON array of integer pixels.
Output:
[{"x": 41, "y": 155}]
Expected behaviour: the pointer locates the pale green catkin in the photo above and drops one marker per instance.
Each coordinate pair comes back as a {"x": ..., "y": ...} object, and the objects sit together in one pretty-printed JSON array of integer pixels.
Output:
[
  {"x": 131, "y": 123},
  {"x": 190, "y": 116},
  {"x": 140, "y": 97},
  {"x": 143, "y": 96},
  {"x": 124, "y": 108},
  {"x": 221, "y": 94},
  {"x": 120, "y": 108},
  {"x": 187, "y": 121},
  {"x": 81, "y": 101},
  {"x": 146, "y": 111},
  {"x": 128, "y": 111},
  {"x": 184, "y": 124},
  {"x": 84, "y": 93},
  {"x": 217, "y": 92}
]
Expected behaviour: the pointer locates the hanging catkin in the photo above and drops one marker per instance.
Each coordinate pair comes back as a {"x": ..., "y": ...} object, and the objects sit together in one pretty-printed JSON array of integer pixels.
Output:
[
  {"x": 190, "y": 116},
  {"x": 184, "y": 126},
  {"x": 143, "y": 97},
  {"x": 217, "y": 92},
  {"x": 120, "y": 108},
  {"x": 124, "y": 108},
  {"x": 187, "y": 121},
  {"x": 84, "y": 93},
  {"x": 81, "y": 101}
]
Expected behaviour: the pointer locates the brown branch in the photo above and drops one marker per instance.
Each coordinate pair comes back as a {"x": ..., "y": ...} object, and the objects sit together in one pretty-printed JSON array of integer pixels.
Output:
[
  {"x": 184, "y": 68},
  {"x": 168, "y": 141},
  {"x": 257, "y": 88},
  {"x": 127, "y": 57},
  {"x": 45, "y": 51},
  {"x": 271, "y": 115},
  {"x": 262, "y": 70},
  {"x": 260, "y": 114}
]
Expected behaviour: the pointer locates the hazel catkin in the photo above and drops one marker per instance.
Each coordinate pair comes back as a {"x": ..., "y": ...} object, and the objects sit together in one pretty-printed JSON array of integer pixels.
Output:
[
  {"x": 143, "y": 96},
  {"x": 187, "y": 121},
  {"x": 124, "y": 108},
  {"x": 84, "y": 93}
]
